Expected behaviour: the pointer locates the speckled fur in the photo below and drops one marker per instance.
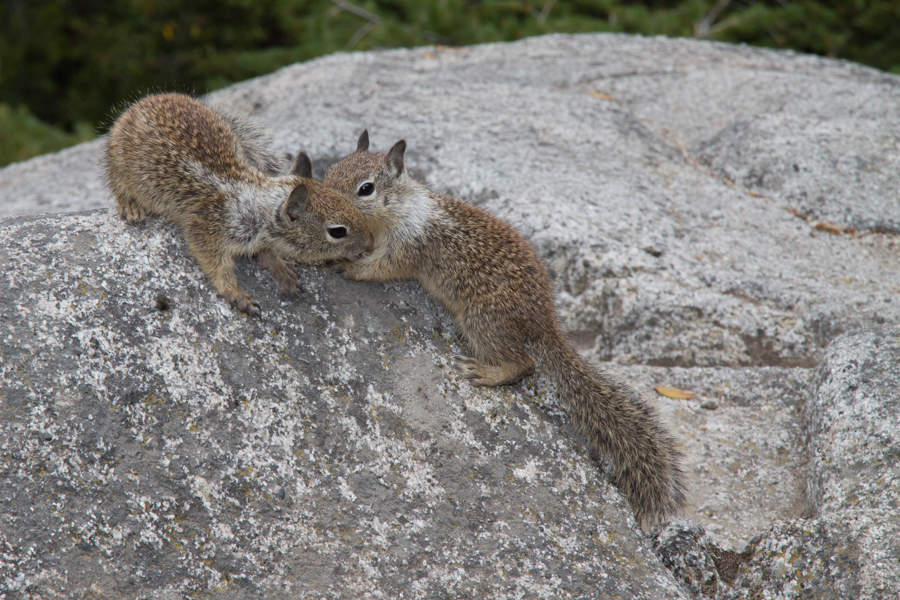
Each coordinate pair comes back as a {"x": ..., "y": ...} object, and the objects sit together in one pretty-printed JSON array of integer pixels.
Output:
[
  {"x": 210, "y": 172},
  {"x": 495, "y": 286}
]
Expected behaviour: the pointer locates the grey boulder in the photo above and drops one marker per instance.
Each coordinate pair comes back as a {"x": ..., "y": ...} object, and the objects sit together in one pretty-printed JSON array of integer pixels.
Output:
[
  {"x": 849, "y": 544},
  {"x": 155, "y": 443},
  {"x": 715, "y": 216}
]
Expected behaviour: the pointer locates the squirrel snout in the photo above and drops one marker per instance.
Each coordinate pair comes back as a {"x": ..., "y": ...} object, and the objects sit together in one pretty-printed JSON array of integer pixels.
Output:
[{"x": 356, "y": 254}]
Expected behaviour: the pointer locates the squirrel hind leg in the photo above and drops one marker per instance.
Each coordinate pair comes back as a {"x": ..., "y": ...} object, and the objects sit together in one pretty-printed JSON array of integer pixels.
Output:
[
  {"x": 130, "y": 210},
  {"x": 500, "y": 356},
  {"x": 506, "y": 373}
]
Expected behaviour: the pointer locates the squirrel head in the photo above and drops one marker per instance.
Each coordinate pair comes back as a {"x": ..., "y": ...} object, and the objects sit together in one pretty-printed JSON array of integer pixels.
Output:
[
  {"x": 372, "y": 180},
  {"x": 317, "y": 223}
]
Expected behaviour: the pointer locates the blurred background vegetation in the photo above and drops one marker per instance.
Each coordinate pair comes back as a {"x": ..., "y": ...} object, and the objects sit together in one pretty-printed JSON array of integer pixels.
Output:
[{"x": 66, "y": 66}]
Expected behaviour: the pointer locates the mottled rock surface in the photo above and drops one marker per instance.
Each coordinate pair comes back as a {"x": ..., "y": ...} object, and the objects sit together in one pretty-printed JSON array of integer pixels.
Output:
[
  {"x": 715, "y": 217},
  {"x": 851, "y": 549},
  {"x": 704, "y": 569},
  {"x": 849, "y": 546},
  {"x": 833, "y": 557},
  {"x": 853, "y": 423},
  {"x": 155, "y": 441}
]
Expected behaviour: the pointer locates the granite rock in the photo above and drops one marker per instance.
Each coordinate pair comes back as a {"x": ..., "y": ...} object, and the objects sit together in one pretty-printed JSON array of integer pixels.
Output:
[
  {"x": 155, "y": 441},
  {"x": 848, "y": 555},
  {"x": 715, "y": 217},
  {"x": 849, "y": 544},
  {"x": 853, "y": 423}
]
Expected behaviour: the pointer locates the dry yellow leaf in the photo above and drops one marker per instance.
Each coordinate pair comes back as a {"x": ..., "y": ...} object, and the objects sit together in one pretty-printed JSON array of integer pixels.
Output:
[
  {"x": 602, "y": 96},
  {"x": 834, "y": 228},
  {"x": 670, "y": 392}
]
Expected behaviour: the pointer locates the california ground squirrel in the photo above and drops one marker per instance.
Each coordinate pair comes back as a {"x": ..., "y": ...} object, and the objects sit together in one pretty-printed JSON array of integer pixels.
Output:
[
  {"x": 209, "y": 172},
  {"x": 498, "y": 290}
]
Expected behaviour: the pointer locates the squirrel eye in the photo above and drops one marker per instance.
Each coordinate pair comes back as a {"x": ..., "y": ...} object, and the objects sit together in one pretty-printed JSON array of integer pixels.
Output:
[
  {"x": 337, "y": 232},
  {"x": 366, "y": 189}
]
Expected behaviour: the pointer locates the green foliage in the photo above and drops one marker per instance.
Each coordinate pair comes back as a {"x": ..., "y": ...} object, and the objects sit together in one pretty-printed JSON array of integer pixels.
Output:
[
  {"x": 25, "y": 136},
  {"x": 76, "y": 61}
]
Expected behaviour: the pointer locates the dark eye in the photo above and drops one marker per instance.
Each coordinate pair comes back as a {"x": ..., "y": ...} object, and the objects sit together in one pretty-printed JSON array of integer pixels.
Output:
[
  {"x": 337, "y": 232},
  {"x": 366, "y": 189}
]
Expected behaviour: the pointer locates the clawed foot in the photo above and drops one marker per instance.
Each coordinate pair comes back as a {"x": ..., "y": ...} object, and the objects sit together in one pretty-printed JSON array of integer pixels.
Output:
[
  {"x": 287, "y": 278},
  {"x": 131, "y": 214},
  {"x": 289, "y": 286},
  {"x": 471, "y": 369},
  {"x": 242, "y": 301},
  {"x": 481, "y": 374},
  {"x": 344, "y": 268}
]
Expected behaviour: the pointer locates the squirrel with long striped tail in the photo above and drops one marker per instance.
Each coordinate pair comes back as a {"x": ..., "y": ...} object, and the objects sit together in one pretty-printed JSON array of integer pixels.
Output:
[{"x": 499, "y": 292}]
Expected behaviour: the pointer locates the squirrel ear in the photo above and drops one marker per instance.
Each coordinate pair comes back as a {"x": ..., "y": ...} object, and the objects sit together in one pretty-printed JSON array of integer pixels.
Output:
[
  {"x": 302, "y": 166},
  {"x": 296, "y": 202},
  {"x": 362, "y": 144},
  {"x": 395, "y": 157}
]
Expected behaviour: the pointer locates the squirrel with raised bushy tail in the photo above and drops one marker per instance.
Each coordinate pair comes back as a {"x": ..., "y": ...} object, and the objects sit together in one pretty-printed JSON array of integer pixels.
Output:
[
  {"x": 209, "y": 171},
  {"x": 499, "y": 292}
]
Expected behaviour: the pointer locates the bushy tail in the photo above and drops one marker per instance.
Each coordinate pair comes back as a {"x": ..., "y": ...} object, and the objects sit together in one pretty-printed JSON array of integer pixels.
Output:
[{"x": 621, "y": 426}]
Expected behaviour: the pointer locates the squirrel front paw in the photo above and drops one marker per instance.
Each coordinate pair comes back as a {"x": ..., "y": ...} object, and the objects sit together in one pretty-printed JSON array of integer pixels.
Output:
[
  {"x": 345, "y": 269},
  {"x": 286, "y": 277},
  {"x": 289, "y": 286},
  {"x": 242, "y": 301}
]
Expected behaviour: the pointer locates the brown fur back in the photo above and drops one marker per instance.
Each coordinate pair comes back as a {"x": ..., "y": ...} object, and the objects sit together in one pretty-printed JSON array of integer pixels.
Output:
[
  {"x": 208, "y": 172},
  {"x": 161, "y": 152}
]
